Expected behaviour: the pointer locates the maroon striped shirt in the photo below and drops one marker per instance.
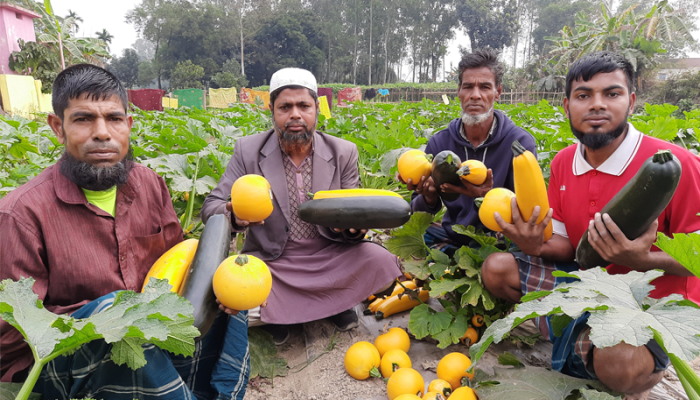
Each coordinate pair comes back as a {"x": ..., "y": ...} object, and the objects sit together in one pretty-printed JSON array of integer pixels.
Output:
[{"x": 76, "y": 251}]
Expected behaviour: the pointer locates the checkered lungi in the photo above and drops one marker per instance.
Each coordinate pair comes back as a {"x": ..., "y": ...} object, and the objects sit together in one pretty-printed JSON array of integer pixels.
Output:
[
  {"x": 218, "y": 369},
  {"x": 572, "y": 353}
]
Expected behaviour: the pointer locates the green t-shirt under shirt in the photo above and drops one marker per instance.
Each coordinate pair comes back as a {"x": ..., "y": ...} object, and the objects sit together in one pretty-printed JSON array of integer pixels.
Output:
[{"x": 105, "y": 199}]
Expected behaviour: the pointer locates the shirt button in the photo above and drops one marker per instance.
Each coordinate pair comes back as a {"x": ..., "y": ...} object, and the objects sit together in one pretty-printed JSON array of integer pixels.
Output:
[
  {"x": 592, "y": 203},
  {"x": 122, "y": 258},
  {"x": 594, "y": 173}
]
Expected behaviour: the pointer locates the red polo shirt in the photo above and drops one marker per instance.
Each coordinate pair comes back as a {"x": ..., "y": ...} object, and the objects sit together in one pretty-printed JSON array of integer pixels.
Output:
[{"x": 577, "y": 191}]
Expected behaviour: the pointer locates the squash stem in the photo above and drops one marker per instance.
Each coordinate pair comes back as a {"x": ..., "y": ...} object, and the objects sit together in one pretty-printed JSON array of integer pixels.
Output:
[
  {"x": 241, "y": 260},
  {"x": 517, "y": 148},
  {"x": 29, "y": 384},
  {"x": 374, "y": 373}
]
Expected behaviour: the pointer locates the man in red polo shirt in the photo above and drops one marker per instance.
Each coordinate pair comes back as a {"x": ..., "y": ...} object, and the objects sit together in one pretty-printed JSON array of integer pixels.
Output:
[{"x": 584, "y": 177}]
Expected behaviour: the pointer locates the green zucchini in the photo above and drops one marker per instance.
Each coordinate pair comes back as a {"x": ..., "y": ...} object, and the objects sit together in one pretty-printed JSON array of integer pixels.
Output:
[
  {"x": 445, "y": 167},
  {"x": 635, "y": 207},
  {"x": 367, "y": 212},
  {"x": 213, "y": 248}
]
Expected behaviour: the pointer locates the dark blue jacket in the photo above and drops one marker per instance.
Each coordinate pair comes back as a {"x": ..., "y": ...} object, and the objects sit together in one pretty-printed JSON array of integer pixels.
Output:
[{"x": 495, "y": 153}]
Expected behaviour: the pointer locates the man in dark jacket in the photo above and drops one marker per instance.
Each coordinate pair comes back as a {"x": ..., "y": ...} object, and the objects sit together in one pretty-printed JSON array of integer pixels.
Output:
[{"x": 480, "y": 133}]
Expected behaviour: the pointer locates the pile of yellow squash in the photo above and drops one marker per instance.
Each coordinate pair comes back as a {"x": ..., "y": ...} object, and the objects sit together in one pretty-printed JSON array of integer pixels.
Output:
[
  {"x": 388, "y": 358},
  {"x": 392, "y": 304}
]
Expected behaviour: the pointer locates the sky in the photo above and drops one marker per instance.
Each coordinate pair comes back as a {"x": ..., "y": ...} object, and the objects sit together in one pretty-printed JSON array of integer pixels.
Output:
[{"x": 98, "y": 15}]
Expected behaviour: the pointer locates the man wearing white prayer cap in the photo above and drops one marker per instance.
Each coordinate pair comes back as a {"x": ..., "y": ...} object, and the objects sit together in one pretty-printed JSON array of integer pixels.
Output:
[{"x": 317, "y": 272}]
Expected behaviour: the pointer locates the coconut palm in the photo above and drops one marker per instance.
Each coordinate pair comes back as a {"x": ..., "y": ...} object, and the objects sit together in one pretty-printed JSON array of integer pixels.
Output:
[
  {"x": 105, "y": 37},
  {"x": 76, "y": 18}
]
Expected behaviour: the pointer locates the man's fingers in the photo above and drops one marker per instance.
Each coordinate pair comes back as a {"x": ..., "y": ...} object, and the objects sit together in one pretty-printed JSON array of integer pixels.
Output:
[
  {"x": 229, "y": 207},
  {"x": 548, "y": 217},
  {"x": 515, "y": 211},
  {"x": 602, "y": 229},
  {"x": 264, "y": 304},
  {"x": 614, "y": 230},
  {"x": 500, "y": 221},
  {"x": 535, "y": 214}
]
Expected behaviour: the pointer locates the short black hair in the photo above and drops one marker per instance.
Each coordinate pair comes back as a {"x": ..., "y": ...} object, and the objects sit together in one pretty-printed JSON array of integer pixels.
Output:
[
  {"x": 81, "y": 79},
  {"x": 480, "y": 58},
  {"x": 276, "y": 93},
  {"x": 604, "y": 62}
]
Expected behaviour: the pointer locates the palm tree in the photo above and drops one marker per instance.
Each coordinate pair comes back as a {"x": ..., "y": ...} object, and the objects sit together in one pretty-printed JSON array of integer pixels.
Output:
[
  {"x": 105, "y": 37},
  {"x": 76, "y": 18}
]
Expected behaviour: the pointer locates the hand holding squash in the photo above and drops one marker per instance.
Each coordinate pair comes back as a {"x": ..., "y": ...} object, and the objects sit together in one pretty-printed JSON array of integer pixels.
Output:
[
  {"x": 527, "y": 234},
  {"x": 241, "y": 222},
  {"x": 610, "y": 242},
  {"x": 469, "y": 189},
  {"x": 425, "y": 187}
]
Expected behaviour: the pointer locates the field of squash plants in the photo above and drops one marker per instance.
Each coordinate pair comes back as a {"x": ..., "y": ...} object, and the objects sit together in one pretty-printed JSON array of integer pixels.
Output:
[{"x": 191, "y": 148}]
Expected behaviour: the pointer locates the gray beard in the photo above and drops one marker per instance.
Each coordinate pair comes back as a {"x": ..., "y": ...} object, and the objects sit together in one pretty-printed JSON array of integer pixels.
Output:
[
  {"x": 291, "y": 142},
  {"x": 471, "y": 120},
  {"x": 95, "y": 178}
]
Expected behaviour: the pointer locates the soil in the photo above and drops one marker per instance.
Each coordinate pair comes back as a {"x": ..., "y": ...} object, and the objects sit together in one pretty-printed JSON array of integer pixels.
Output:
[{"x": 325, "y": 377}]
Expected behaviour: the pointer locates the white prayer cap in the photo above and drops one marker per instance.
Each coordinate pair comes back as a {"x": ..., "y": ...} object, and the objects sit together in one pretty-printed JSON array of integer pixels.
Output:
[{"x": 293, "y": 77}]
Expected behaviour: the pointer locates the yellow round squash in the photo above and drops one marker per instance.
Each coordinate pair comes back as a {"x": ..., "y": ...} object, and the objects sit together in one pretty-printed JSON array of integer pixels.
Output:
[
  {"x": 405, "y": 381},
  {"x": 496, "y": 200},
  {"x": 173, "y": 264},
  {"x": 408, "y": 396},
  {"x": 440, "y": 386},
  {"x": 242, "y": 282},
  {"x": 433, "y": 396},
  {"x": 362, "y": 360},
  {"x": 395, "y": 338},
  {"x": 393, "y": 360},
  {"x": 251, "y": 198},
  {"x": 452, "y": 368},
  {"x": 473, "y": 171},
  {"x": 463, "y": 393},
  {"x": 413, "y": 165}
]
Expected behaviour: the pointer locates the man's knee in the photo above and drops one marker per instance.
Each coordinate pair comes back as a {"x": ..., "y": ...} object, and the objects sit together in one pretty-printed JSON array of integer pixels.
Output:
[
  {"x": 498, "y": 270},
  {"x": 626, "y": 368}
]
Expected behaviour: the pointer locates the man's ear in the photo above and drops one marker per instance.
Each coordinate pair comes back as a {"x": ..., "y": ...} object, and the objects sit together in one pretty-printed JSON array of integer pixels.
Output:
[
  {"x": 56, "y": 125},
  {"x": 633, "y": 100},
  {"x": 499, "y": 90},
  {"x": 566, "y": 107}
]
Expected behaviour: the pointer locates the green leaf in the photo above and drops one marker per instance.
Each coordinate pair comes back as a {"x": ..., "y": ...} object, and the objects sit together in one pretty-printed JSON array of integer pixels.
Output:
[
  {"x": 559, "y": 323},
  {"x": 466, "y": 262},
  {"x": 619, "y": 312},
  {"x": 452, "y": 334},
  {"x": 440, "y": 287},
  {"x": 10, "y": 390},
  {"x": 479, "y": 237},
  {"x": 439, "y": 270},
  {"x": 418, "y": 268},
  {"x": 419, "y": 321},
  {"x": 128, "y": 351},
  {"x": 264, "y": 360},
  {"x": 684, "y": 248},
  {"x": 532, "y": 383},
  {"x": 439, "y": 257},
  {"x": 509, "y": 359},
  {"x": 590, "y": 394},
  {"x": 407, "y": 241},
  {"x": 21, "y": 308},
  {"x": 472, "y": 295}
]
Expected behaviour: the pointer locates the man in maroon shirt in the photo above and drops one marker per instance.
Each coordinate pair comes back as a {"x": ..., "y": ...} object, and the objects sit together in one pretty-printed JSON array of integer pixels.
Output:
[
  {"x": 584, "y": 177},
  {"x": 80, "y": 246}
]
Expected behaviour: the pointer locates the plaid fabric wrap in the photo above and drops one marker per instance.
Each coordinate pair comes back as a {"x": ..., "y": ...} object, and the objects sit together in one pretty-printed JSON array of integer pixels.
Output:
[
  {"x": 572, "y": 352},
  {"x": 218, "y": 369}
]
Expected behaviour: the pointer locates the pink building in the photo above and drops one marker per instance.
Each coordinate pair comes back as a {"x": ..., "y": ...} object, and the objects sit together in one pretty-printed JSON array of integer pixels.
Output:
[{"x": 15, "y": 23}]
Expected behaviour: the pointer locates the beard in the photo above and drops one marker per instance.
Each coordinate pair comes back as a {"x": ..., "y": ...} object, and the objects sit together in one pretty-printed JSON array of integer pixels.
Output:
[
  {"x": 471, "y": 120},
  {"x": 294, "y": 142},
  {"x": 596, "y": 141},
  {"x": 96, "y": 178}
]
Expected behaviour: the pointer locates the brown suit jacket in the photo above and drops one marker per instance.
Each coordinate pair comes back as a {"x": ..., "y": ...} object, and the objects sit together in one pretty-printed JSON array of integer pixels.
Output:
[{"x": 334, "y": 167}]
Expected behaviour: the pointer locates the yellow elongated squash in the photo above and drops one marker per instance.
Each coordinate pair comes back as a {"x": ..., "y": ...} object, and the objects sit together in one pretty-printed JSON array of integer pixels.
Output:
[
  {"x": 397, "y": 289},
  {"x": 173, "y": 264},
  {"x": 530, "y": 189},
  {"x": 394, "y": 304},
  {"x": 341, "y": 193}
]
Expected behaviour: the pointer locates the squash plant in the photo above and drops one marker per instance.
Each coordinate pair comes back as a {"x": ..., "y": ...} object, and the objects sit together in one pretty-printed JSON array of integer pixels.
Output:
[
  {"x": 454, "y": 281},
  {"x": 156, "y": 316},
  {"x": 620, "y": 310}
]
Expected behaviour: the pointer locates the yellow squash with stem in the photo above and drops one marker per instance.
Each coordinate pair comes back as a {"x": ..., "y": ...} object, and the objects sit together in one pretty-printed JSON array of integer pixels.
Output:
[
  {"x": 392, "y": 360},
  {"x": 530, "y": 188},
  {"x": 414, "y": 164},
  {"x": 242, "y": 282},
  {"x": 251, "y": 198},
  {"x": 362, "y": 360},
  {"x": 173, "y": 264},
  {"x": 394, "y": 304},
  {"x": 473, "y": 171}
]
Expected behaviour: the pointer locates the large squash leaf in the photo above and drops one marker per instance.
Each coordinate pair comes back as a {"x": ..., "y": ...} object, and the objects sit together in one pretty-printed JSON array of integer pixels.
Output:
[
  {"x": 534, "y": 383},
  {"x": 620, "y": 311},
  {"x": 408, "y": 240},
  {"x": 264, "y": 360}
]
